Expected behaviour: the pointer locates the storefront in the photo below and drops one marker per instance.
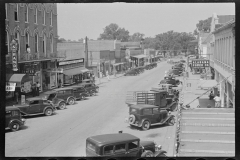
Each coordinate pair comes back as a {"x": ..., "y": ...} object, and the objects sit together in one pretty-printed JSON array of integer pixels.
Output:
[
  {"x": 139, "y": 60},
  {"x": 200, "y": 66}
]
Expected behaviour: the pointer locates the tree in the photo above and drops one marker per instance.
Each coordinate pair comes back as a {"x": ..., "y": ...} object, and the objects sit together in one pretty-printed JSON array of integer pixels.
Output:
[
  {"x": 59, "y": 40},
  {"x": 114, "y": 32},
  {"x": 136, "y": 37},
  {"x": 204, "y": 25}
]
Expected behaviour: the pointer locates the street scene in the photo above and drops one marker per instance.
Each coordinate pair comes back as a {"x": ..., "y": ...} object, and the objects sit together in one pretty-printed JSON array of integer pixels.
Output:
[{"x": 117, "y": 89}]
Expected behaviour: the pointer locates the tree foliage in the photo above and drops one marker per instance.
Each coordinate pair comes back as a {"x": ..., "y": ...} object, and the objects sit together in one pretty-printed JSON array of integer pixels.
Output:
[
  {"x": 136, "y": 37},
  {"x": 59, "y": 40},
  {"x": 204, "y": 25},
  {"x": 114, "y": 32}
]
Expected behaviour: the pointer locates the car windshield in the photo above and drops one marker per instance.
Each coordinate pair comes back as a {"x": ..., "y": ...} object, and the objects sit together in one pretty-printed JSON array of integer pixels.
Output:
[
  {"x": 133, "y": 111},
  {"x": 51, "y": 96}
]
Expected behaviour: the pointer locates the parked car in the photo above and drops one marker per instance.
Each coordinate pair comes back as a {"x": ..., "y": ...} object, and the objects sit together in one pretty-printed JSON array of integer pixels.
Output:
[
  {"x": 90, "y": 87},
  {"x": 182, "y": 61},
  {"x": 145, "y": 115},
  {"x": 132, "y": 72},
  {"x": 170, "y": 80},
  {"x": 13, "y": 118},
  {"x": 121, "y": 145},
  {"x": 66, "y": 94},
  {"x": 80, "y": 92},
  {"x": 174, "y": 72},
  {"x": 52, "y": 97},
  {"x": 35, "y": 106}
]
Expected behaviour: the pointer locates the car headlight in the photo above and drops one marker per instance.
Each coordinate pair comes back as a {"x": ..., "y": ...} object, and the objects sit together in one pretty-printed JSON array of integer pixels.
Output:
[{"x": 158, "y": 147}]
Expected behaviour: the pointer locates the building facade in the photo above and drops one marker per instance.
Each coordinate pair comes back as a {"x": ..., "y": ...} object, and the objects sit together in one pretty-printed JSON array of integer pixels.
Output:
[
  {"x": 224, "y": 62},
  {"x": 34, "y": 26}
]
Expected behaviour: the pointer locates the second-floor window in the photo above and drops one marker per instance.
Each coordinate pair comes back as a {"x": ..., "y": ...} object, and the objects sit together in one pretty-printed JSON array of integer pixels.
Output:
[
  {"x": 16, "y": 12},
  {"x": 50, "y": 18},
  {"x": 17, "y": 37},
  {"x": 7, "y": 42},
  {"x": 6, "y": 10},
  {"x": 27, "y": 40},
  {"x": 43, "y": 16},
  {"x": 36, "y": 42},
  {"x": 51, "y": 43},
  {"x": 35, "y": 16},
  {"x": 26, "y": 13},
  {"x": 44, "y": 45}
]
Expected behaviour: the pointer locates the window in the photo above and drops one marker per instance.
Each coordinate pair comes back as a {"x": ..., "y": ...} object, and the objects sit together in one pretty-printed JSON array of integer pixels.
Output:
[
  {"x": 7, "y": 41},
  {"x": 91, "y": 146},
  {"x": 34, "y": 102},
  {"x": 108, "y": 150},
  {"x": 120, "y": 148},
  {"x": 15, "y": 113},
  {"x": 68, "y": 91},
  {"x": 60, "y": 92},
  {"x": 17, "y": 37},
  {"x": 51, "y": 96},
  {"x": 51, "y": 19},
  {"x": 133, "y": 145},
  {"x": 44, "y": 16},
  {"x": 156, "y": 111},
  {"x": 6, "y": 6},
  {"x": 147, "y": 111},
  {"x": 16, "y": 12},
  {"x": 27, "y": 40},
  {"x": 51, "y": 43},
  {"x": 36, "y": 42},
  {"x": 44, "y": 45},
  {"x": 26, "y": 13},
  {"x": 35, "y": 16}
]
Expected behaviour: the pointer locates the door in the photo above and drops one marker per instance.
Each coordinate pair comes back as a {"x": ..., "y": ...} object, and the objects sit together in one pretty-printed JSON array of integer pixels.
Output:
[
  {"x": 120, "y": 150},
  {"x": 61, "y": 95},
  {"x": 147, "y": 113},
  {"x": 34, "y": 107},
  {"x": 132, "y": 149},
  {"x": 7, "y": 118},
  {"x": 156, "y": 115}
]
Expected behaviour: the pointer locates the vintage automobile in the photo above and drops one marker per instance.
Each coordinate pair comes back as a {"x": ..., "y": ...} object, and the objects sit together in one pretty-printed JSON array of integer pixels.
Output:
[
  {"x": 145, "y": 115},
  {"x": 178, "y": 68},
  {"x": 174, "y": 72},
  {"x": 13, "y": 118},
  {"x": 52, "y": 97},
  {"x": 80, "y": 92},
  {"x": 132, "y": 72},
  {"x": 35, "y": 106},
  {"x": 121, "y": 145},
  {"x": 66, "y": 94},
  {"x": 170, "y": 80},
  {"x": 90, "y": 87},
  {"x": 182, "y": 61}
]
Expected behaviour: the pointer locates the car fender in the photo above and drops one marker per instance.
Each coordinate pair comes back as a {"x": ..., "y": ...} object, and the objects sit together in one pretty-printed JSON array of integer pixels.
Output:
[
  {"x": 15, "y": 120},
  {"x": 47, "y": 108},
  {"x": 140, "y": 124},
  {"x": 159, "y": 153}
]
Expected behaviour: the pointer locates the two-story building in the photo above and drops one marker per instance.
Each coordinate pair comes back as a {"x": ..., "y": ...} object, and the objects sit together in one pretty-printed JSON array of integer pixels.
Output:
[
  {"x": 224, "y": 62},
  {"x": 34, "y": 27}
]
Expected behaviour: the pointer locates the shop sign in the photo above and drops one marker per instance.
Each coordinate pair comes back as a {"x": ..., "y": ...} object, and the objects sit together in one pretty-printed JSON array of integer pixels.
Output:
[
  {"x": 14, "y": 48},
  {"x": 10, "y": 86},
  {"x": 71, "y": 62},
  {"x": 200, "y": 63}
]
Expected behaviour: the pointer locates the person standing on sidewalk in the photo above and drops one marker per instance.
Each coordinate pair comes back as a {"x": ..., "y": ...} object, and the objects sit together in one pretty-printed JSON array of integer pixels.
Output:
[
  {"x": 217, "y": 101},
  {"x": 38, "y": 88},
  {"x": 33, "y": 90},
  {"x": 107, "y": 75}
]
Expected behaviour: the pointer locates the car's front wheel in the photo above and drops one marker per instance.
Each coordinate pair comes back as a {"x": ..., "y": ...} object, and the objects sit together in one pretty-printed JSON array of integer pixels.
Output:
[
  {"x": 14, "y": 126},
  {"x": 62, "y": 105},
  {"x": 48, "y": 112},
  {"x": 147, "y": 154},
  {"x": 171, "y": 121},
  {"x": 71, "y": 101},
  {"x": 146, "y": 125}
]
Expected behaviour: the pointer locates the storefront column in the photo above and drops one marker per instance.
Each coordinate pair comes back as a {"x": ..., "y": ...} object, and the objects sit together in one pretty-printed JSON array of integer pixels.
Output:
[
  {"x": 226, "y": 85},
  {"x": 221, "y": 90}
]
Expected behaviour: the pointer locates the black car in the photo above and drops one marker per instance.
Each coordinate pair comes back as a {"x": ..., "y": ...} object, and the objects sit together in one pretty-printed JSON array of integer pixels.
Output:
[
  {"x": 91, "y": 88},
  {"x": 13, "y": 118},
  {"x": 175, "y": 72},
  {"x": 80, "y": 92}
]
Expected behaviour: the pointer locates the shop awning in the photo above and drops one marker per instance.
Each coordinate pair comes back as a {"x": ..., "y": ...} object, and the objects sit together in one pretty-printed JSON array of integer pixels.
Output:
[
  {"x": 207, "y": 83},
  {"x": 75, "y": 71},
  {"x": 115, "y": 64},
  {"x": 16, "y": 78},
  {"x": 140, "y": 56}
]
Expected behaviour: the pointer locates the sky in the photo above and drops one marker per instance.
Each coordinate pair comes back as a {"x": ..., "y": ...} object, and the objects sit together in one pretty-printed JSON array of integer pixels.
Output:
[{"x": 78, "y": 20}]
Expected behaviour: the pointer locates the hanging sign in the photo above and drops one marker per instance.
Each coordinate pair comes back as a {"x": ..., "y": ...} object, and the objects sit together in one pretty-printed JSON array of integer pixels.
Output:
[
  {"x": 10, "y": 86},
  {"x": 200, "y": 63},
  {"x": 14, "y": 49}
]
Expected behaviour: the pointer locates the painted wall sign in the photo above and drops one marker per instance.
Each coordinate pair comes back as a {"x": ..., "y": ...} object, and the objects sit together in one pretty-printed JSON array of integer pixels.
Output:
[
  {"x": 10, "y": 86},
  {"x": 200, "y": 63},
  {"x": 71, "y": 62},
  {"x": 14, "y": 49}
]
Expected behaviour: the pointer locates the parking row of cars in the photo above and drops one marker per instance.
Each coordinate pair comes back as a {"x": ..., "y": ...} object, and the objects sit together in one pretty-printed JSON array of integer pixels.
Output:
[
  {"x": 47, "y": 103},
  {"x": 138, "y": 70}
]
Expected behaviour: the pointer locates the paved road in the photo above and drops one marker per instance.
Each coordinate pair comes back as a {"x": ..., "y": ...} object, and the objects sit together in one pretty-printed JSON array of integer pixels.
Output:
[{"x": 65, "y": 133}]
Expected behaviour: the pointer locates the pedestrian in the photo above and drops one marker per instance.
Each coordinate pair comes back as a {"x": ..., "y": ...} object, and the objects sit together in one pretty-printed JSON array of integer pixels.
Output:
[
  {"x": 22, "y": 91},
  {"x": 211, "y": 95},
  {"x": 107, "y": 75},
  {"x": 217, "y": 101},
  {"x": 190, "y": 65},
  {"x": 37, "y": 88},
  {"x": 93, "y": 78},
  {"x": 59, "y": 83},
  {"x": 16, "y": 96},
  {"x": 33, "y": 90}
]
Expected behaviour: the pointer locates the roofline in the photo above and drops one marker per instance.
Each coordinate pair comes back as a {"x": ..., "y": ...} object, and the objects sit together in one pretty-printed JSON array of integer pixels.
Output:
[{"x": 229, "y": 24}]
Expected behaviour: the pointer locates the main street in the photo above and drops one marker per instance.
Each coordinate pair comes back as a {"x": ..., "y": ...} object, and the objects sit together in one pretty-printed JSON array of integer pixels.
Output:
[{"x": 65, "y": 133}]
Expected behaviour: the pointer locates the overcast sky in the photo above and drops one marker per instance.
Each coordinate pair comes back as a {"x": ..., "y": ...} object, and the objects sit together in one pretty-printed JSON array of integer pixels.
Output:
[{"x": 78, "y": 20}]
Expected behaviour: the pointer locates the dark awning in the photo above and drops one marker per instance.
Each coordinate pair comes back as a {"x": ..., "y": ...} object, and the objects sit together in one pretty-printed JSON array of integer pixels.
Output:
[
  {"x": 16, "y": 78},
  {"x": 75, "y": 71}
]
